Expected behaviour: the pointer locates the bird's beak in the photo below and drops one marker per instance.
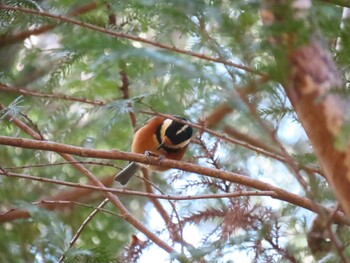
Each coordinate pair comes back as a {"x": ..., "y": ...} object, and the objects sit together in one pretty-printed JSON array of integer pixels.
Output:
[{"x": 160, "y": 146}]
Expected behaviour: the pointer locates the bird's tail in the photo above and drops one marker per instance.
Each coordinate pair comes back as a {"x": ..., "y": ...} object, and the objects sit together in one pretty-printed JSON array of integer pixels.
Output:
[{"x": 124, "y": 176}]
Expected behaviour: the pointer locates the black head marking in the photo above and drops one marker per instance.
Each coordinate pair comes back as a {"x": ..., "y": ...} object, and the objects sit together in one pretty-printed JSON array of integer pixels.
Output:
[
  {"x": 173, "y": 135},
  {"x": 177, "y": 132}
]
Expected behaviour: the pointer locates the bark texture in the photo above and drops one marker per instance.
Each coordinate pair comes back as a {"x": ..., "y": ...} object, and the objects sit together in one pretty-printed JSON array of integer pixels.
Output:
[{"x": 312, "y": 76}]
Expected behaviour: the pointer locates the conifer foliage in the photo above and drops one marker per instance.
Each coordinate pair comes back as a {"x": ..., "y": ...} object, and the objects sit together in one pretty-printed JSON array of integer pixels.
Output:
[{"x": 264, "y": 84}]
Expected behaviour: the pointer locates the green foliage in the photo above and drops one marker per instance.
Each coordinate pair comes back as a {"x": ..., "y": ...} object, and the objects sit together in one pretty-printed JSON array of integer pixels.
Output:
[
  {"x": 89, "y": 256},
  {"x": 61, "y": 70},
  {"x": 74, "y": 79},
  {"x": 343, "y": 136},
  {"x": 14, "y": 109},
  {"x": 14, "y": 20},
  {"x": 42, "y": 226}
]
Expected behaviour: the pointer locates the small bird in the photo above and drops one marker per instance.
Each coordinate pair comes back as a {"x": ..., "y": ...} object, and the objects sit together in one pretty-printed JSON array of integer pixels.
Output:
[{"x": 161, "y": 137}]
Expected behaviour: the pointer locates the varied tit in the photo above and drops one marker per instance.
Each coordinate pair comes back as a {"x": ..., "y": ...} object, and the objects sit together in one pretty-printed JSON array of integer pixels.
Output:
[{"x": 161, "y": 137}]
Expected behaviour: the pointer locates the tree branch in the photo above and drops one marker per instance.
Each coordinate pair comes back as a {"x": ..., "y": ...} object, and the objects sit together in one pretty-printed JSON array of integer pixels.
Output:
[
  {"x": 246, "y": 144},
  {"x": 27, "y": 92},
  {"x": 311, "y": 76},
  {"x": 65, "y": 19},
  {"x": 13, "y": 214},
  {"x": 123, "y": 191},
  {"x": 81, "y": 228},
  {"x": 120, "y": 155},
  {"x": 18, "y": 37},
  {"x": 114, "y": 199}
]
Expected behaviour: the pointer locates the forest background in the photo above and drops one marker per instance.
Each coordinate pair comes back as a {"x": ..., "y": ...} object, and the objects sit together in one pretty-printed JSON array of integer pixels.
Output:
[{"x": 265, "y": 85}]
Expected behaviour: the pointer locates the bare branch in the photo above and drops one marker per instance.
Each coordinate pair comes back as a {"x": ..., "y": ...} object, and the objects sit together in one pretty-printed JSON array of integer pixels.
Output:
[
  {"x": 27, "y": 92},
  {"x": 246, "y": 144},
  {"x": 18, "y": 37},
  {"x": 124, "y": 191},
  {"x": 57, "y": 203},
  {"x": 311, "y": 77},
  {"x": 114, "y": 199},
  {"x": 61, "y": 163},
  {"x": 130, "y": 37},
  {"x": 83, "y": 225},
  {"x": 120, "y": 155}
]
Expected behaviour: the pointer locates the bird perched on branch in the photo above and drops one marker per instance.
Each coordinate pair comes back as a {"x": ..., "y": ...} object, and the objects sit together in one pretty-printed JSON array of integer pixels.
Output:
[{"x": 161, "y": 137}]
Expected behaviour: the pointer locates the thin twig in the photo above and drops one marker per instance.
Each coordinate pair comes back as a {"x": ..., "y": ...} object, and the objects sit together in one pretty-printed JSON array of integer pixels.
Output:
[
  {"x": 253, "y": 111},
  {"x": 120, "y": 155},
  {"x": 339, "y": 246},
  {"x": 130, "y": 37},
  {"x": 17, "y": 37},
  {"x": 232, "y": 140},
  {"x": 81, "y": 228},
  {"x": 124, "y": 191},
  {"x": 125, "y": 91},
  {"x": 163, "y": 213},
  {"x": 275, "y": 154},
  {"x": 60, "y": 163},
  {"x": 65, "y": 202},
  {"x": 26, "y": 92},
  {"x": 114, "y": 199},
  {"x": 146, "y": 178}
]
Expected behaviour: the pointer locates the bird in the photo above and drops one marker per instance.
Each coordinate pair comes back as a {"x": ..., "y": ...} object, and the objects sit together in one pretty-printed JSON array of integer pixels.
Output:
[{"x": 162, "y": 137}]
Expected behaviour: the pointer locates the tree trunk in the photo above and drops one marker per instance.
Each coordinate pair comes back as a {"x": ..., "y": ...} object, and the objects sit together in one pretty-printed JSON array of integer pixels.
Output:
[{"x": 311, "y": 79}]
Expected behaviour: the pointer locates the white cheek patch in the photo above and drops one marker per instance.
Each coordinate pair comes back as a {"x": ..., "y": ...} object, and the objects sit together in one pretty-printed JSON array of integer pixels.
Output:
[
  {"x": 182, "y": 144},
  {"x": 182, "y": 129},
  {"x": 164, "y": 127},
  {"x": 166, "y": 124}
]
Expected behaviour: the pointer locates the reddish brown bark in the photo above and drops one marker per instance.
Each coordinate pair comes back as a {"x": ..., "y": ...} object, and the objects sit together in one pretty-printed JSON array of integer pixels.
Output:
[
  {"x": 312, "y": 76},
  {"x": 321, "y": 113}
]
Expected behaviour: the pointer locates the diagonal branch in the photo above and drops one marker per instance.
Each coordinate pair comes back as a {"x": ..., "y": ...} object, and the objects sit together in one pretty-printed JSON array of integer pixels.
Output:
[
  {"x": 310, "y": 79},
  {"x": 112, "y": 198},
  {"x": 120, "y": 155},
  {"x": 17, "y": 37},
  {"x": 13, "y": 214},
  {"x": 81, "y": 228},
  {"x": 27, "y": 92},
  {"x": 69, "y": 195},
  {"x": 66, "y": 19},
  {"x": 246, "y": 144}
]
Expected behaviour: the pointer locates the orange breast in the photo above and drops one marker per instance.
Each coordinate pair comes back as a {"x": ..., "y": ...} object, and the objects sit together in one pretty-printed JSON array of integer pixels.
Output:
[{"x": 145, "y": 140}]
